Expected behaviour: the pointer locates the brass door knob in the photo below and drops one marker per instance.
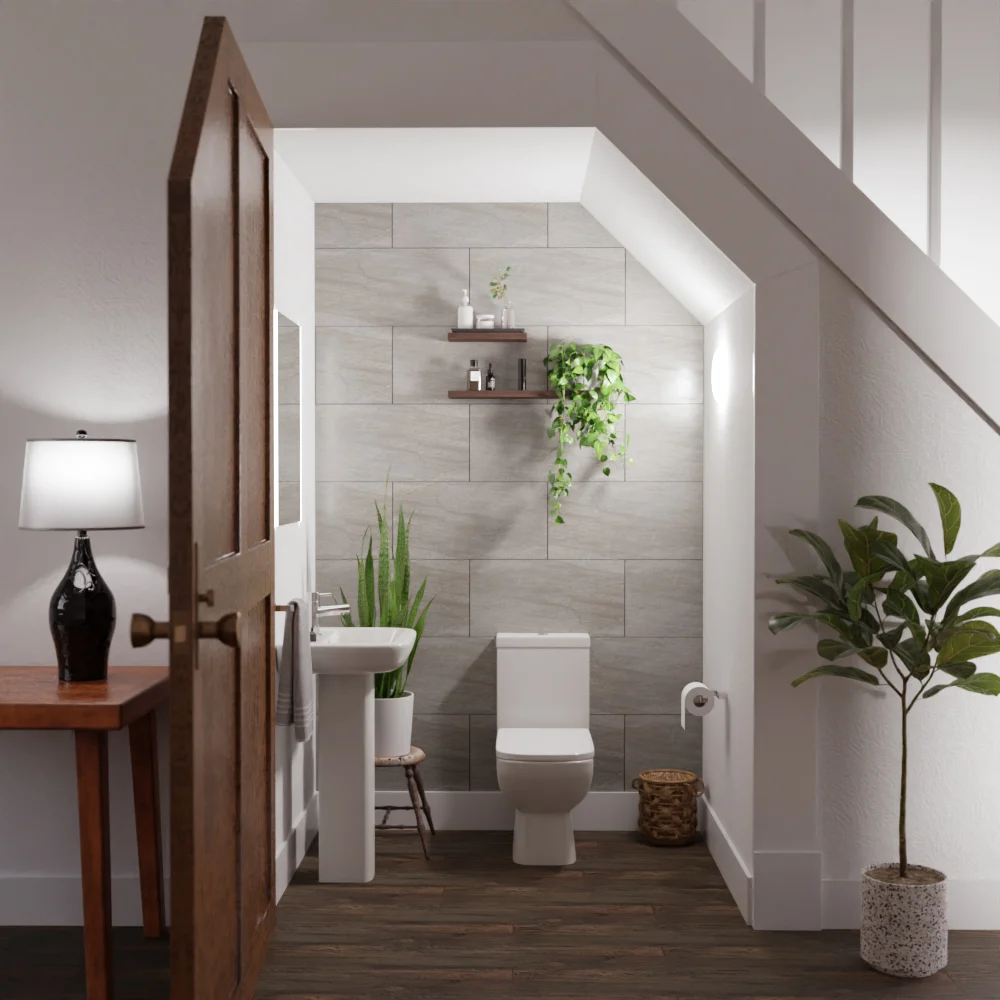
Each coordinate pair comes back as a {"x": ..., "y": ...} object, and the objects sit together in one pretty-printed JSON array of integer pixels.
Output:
[
  {"x": 144, "y": 630},
  {"x": 226, "y": 630}
]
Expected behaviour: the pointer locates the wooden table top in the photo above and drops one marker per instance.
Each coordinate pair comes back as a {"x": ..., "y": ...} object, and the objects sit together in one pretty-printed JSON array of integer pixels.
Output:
[{"x": 35, "y": 698}]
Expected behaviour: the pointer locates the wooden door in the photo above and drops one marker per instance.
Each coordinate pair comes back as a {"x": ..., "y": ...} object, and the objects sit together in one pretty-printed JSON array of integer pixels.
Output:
[{"x": 221, "y": 546}]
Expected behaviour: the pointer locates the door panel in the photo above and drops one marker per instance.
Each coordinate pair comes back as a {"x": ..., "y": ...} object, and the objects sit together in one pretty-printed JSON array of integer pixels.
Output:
[
  {"x": 255, "y": 351},
  {"x": 215, "y": 332},
  {"x": 221, "y": 550}
]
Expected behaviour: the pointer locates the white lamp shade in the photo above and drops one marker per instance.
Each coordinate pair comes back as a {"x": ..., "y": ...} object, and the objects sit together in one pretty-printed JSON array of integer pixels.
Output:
[{"x": 81, "y": 484}]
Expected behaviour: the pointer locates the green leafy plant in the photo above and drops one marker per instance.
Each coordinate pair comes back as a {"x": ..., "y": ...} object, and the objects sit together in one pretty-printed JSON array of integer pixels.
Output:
[
  {"x": 904, "y": 619},
  {"x": 384, "y": 595},
  {"x": 588, "y": 382},
  {"x": 498, "y": 286}
]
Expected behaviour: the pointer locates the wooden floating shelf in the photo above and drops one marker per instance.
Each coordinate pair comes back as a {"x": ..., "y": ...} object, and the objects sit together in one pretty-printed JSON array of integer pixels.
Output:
[
  {"x": 485, "y": 395},
  {"x": 513, "y": 335}
]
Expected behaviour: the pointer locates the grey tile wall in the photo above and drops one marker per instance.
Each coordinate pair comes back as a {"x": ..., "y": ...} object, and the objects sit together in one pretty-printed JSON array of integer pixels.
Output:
[
  {"x": 354, "y": 364},
  {"x": 469, "y": 225},
  {"x": 571, "y": 225},
  {"x": 579, "y": 285},
  {"x": 354, "y": 226},
  {"x": 426, "y": 442},
  {"x": 556, "y": 595},
  {"x": 475, "y": 520},
  {"x": 626, "y": 566},
  {"x": 649, "y": 302},
  {"x": 389, "y": 287}
]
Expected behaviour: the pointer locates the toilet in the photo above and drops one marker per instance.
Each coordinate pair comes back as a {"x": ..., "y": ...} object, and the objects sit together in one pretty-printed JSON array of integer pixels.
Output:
[{"x": 545, "y": 753}]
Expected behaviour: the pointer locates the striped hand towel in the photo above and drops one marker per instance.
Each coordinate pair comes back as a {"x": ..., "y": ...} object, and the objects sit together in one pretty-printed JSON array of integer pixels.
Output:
[{"x": 296, "y": 703}]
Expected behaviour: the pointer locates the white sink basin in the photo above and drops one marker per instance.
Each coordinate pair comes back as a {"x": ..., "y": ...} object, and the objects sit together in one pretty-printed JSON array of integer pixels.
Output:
[{"x": 361, "y": 650}]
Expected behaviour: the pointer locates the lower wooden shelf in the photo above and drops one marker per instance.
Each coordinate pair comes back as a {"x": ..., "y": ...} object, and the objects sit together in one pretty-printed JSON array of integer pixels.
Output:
[{"x": 485, "y": 395}]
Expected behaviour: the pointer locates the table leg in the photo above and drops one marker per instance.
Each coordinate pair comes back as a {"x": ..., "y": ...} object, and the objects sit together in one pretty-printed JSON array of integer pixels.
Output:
[
  {"x": 146, "y": 795},
  {"x": 415, "y": 799},
  {"x": 95, "y": 858},
  {"x": 423, "y": 797}
]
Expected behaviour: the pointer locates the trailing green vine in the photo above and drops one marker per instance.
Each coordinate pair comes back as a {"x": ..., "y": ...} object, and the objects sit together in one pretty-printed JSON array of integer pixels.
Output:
[{"x": 587, "y": 379}]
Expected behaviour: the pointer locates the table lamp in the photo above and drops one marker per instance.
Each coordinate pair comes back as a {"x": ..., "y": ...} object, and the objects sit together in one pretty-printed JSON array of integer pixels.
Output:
[{"x": 81, "y": 484}]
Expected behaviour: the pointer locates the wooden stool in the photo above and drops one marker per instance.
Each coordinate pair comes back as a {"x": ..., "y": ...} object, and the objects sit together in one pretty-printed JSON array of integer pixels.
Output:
[{"x": 409, "y": 763}]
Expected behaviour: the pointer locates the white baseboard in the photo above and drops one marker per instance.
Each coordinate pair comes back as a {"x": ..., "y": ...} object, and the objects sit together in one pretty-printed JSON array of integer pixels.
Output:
[
  {"x": 972, "y": 905},
  {"x": 787, "y": 890},
  {"x": 731, "y": 865},
  {"x": 290, "y": 854},
  {"x": 57, "y": 901},
  {"x": 492, "y": 811}
]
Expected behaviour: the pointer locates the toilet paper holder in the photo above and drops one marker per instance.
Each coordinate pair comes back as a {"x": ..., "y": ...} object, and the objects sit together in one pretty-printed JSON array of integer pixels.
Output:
[{"x": 696, "y": 699}]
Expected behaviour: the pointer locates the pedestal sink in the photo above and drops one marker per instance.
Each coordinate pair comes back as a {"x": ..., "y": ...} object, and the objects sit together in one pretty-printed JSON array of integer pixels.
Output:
[{"x": 345, "y": 661}]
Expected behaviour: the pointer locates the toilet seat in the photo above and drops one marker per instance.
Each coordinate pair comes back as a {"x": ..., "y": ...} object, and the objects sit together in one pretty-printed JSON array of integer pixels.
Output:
[{"x": 547, "y": 744}]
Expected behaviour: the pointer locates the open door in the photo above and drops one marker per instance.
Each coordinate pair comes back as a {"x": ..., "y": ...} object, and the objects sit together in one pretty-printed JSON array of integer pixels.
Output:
[{"x": 221, "y": 546}]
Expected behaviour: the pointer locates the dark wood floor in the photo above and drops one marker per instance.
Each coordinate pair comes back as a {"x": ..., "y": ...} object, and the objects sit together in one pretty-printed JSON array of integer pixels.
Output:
[{"x": 628, "y": 921}]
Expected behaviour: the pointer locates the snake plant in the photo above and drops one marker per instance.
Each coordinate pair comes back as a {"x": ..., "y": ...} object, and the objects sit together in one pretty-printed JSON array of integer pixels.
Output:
[
  {"x": 384, "y": 595},
  {"x": 904, "y": 619}
]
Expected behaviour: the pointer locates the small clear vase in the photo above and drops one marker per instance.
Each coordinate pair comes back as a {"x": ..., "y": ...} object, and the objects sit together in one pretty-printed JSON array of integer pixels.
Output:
[{"x": 508, "y": 313}]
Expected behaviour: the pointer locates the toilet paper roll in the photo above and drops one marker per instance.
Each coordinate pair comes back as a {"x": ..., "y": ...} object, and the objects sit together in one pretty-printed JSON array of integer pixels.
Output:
[{"x": 696, "y": 699}]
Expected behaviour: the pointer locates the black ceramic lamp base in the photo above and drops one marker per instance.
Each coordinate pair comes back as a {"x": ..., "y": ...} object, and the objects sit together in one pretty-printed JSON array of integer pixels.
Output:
[{"x": 82, "y": 618}]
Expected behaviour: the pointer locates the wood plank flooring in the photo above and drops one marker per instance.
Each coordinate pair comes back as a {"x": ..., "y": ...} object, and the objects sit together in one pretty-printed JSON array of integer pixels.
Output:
[{"x": 628, "y": 921}]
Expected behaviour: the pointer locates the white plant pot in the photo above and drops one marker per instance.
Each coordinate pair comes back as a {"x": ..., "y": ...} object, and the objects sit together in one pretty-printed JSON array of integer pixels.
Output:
[
  {"x": 904, "y": 928},
  {"x": 393, "y": 725}
]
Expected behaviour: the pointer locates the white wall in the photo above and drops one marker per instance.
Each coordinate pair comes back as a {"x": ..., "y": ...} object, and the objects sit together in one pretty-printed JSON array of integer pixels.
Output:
[
  {"x": 799, "y": 34},
  {"x": 83, "y": 277},
  {"x": 970, "y": 149},
  {"x": 890, "y": 428},
  {"x": 728, "y": 25},
  {"x": 294, "y": 569},
  {"x": 872, "y": 91},
  {"x": 892, "y": 109},
  {"x": 83, "y": 282},
  {"x": 728, "y": 613}
]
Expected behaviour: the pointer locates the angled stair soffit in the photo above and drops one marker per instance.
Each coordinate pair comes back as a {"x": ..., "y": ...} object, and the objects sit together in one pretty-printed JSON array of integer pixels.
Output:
[
  {"x": 541, "y": 165},
  {"x": 672, "y": 59}
]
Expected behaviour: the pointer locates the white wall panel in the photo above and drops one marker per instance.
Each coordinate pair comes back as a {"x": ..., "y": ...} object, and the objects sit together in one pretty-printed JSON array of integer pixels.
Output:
[
  {"x": 728, "y": 25},
  {"x": 970, "y": 149},
  {"x": 803, "y": 58},
  {"x": 892, "y": 109}
]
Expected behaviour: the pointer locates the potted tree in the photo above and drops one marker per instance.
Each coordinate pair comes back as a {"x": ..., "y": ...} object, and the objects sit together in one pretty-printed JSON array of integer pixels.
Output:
[
  {"x": 909, "y": 623},
  {"x": 384, "y": 600},
  {"x": 588, "y": 383}
]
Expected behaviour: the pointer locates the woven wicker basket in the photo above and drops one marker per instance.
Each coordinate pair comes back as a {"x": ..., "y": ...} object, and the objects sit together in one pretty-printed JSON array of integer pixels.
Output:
[{"x": 668, "y": 806}]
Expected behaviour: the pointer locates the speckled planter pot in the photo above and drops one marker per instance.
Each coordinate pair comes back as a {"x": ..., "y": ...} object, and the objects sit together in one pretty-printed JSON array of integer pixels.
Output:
[{"x": 904, "y": 928}]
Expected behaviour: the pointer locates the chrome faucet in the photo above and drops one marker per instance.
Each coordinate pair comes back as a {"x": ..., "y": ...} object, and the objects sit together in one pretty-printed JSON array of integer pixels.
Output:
[{"x": 320, "y": 611}]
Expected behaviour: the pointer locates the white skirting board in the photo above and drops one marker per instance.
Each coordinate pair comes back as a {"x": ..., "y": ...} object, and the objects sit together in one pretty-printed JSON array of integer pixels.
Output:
[
  {"x": 972, "y": 905},
  {"x": 787, "y": 890},
  {"x": 492, "y": 811},
  {"x": 290, "y": 854},
  {"x": 733, "y": 868}
]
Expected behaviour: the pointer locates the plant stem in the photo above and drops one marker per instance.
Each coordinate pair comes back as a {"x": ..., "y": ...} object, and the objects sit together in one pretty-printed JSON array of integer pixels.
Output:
[{"x": 902, "y": 797}]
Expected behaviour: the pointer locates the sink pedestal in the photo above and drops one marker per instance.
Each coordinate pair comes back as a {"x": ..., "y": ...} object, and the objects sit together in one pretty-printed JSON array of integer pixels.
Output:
[{"x": 345, "y": 746}]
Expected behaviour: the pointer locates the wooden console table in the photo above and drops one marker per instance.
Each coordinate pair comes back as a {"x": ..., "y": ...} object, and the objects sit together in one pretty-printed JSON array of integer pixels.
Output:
[{"x": 34, "y": 698}]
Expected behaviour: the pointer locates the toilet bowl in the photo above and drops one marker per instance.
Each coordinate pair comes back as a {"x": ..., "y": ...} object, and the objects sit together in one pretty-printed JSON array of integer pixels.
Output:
[
  {"x": 545, "y": 753},
  {"x": 546, "y": 773}
]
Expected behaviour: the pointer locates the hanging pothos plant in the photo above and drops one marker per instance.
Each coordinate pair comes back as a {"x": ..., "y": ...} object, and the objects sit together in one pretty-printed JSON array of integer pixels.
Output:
[{"x": 587, "y": 379}]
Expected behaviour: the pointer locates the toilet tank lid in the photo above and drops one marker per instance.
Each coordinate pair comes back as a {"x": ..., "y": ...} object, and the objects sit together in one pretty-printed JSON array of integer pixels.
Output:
[{"x": 543, "y": 640}]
